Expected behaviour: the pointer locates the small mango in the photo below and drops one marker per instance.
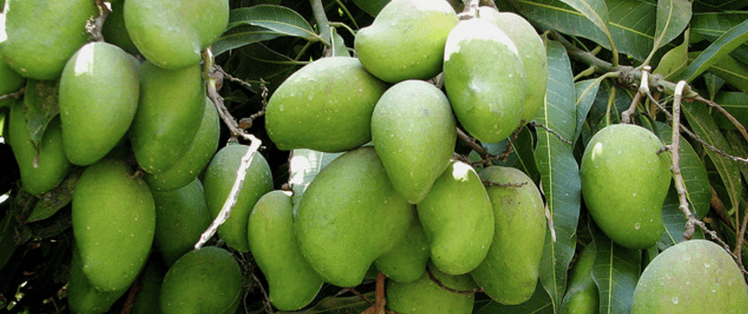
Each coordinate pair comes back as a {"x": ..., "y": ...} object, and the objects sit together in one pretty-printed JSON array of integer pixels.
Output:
[
  {"x": 406, "y": 262},
  {"x": 582, "y": 295}
]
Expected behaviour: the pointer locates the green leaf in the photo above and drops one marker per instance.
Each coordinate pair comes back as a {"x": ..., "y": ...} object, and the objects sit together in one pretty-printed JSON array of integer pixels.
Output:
[
  {"x": 41, "y": 105},
  {"x": 674, "y": 221},
  {"x": 7, "y": 241},
  {"x": 338, "y": 44},
  {"x": 672, "y": 18},
  {"x": 280, "y": 19},
  {"x": 539, "y": 303},
  {"x": 586, "y": 93},
  {"x": 305, "y": 165},
  {"x": 521, "y": 156},
  {"x": 595, "y": 11},
  {"x": 714, "y": 24},
  {"x": 54, "y": 200},
  {"x": 675, "y": 60},
  {"x": 615, "y": 271},
  {"x": 718, "y": 49},
  {"x": 736, "y": 104},
  {"x": 242, "y": 36},
  {"x": 738, "y": 144},
  {"x": 559, "y": 172},
  {"x": 730, "y": 70}
]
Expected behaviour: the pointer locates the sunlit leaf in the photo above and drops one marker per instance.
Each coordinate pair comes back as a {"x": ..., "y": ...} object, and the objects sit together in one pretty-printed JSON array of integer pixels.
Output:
[
  {"x": 242, "y": 36},
  {"x": 338, "y": 44},
  {"x": 594, "y": 10},
  {"x": 675, "y": 60},
  {"x": 305, "y": 165},
  {"x": 725, "y": 44},
  {"x": 615, "y": 271},
  {"x": 279, "y": 19},
  {"x": 672, "y": 18},
  {"x": 539, "y": 303}
]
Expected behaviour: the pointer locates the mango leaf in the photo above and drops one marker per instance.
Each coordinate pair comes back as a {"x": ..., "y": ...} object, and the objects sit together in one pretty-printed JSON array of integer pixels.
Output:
[
  {"x": 703, "y": 125},
  {"x": 675, "y": 60},
  {"x": 725, "y": 44},
  {"x": 672, "y": 18},
  {"x": 559, "y": 172},
  {"x": 730, "y": 70},
  {"x": 615, "y": 271},
  {"x": 338, "y": 44},
  {"x": 539, "y": 303},
  {"x": 305, "y": 165},
  {"x": 595, "y": 11},
  {"x": 242, "y": 36},
  {"x": 279, "y": 19},
  {"x": 714, "y": 24},
  {"x": 586, "y": 93},
  {"x": 674, "y": 221},
  {"x": 738, "y": 144},
  {"x": 521, "y": 156},
  {"x": 51, "y": 202},
  {"x": 41, "y": 105},
  {"x": 736, "y": 104}
]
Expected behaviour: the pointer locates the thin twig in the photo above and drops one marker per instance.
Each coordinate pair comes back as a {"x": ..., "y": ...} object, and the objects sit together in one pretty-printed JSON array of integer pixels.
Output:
[
  {"x": 643, "y": 90},
  {"x": 680, "y": 186},
  {"x": 549, "y": 130},
  {"x": 440, "y": 284},
  {"x": 15, "y": 95},
  {"x": 268, "y": 307},
  {"x": 504, "y": 185}
]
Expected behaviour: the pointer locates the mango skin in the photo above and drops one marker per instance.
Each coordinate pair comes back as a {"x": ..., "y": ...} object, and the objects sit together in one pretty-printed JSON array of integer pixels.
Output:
[
  {"x": 485, "y": 80},
  {"x": 425, "y": 296},
  {"x": 292, "y": 282},
  {"x": 324, "y": 106},
  {"x": 171, "y": 105},
  {"x": 81, "y": 296},
  {"x": 352, "y": 201},
  {"x": 406, "y": 262},
  {"x": 147, "y": 299},
  {"x": 195, "y": 159},
  {"x": 181, "y": 217},
  {"x": 582, "y": 295},
  {"x": 406, "y": 40},
  {"x": 624, "y": 184},
  {"x": 695, "y": 276},
  {"x": 43, "y": 34},
  {"x": 458, "y": 219},
  {"x": 114, "y": 236},
  {"x": 509, "y": 273},
  {"x": 219, "y": 178},
  {"x": 414, "y": 134},
  {"x": 532, "y": 51},
  {"x": 204, "y": 281},
  {"x": 114, "y": 29},
  {"x": 53, "y": 166},
  {"x": 99, "y": 93},
  {"x": 173, "y": 34}
]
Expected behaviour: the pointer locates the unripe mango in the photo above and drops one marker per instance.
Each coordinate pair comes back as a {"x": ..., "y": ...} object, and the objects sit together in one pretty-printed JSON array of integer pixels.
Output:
[
  {"x": 53, "y": 166},
  {"x": 147, "y": 300},
  {"x": 509, "y": 273},
  {"x": 43, "y": 34},
  {"x": 425, "y": 296},
  {"x": 219, "y": 178},
  {"x": 181, "y": 216},
  {"x": 406, "y": 40},
  {"x": 114, "y": 218},
  {"x": 204, "y": 281},
  {"x": 99, "y": 93},
  {"x": 582, "y": 295},
  {"x": 485, "y": 80},
  {"x": 171, "y": 106},
  {"x": 349, "y": 216},
  {"x": 83, "y": 298},
  {"x": 292, "y": 282},
  {"x": 407, "y": 261},
  {"x": 324, "y": 106},
  {"x": 458, "y": 219},
  {"x": 114, "y": 29},
  {"x": 625, "y": 179},
  {"x": 695, "y": 276},
  {"x": 414, "y": 134},
  {"x": 173, "y": 34}
]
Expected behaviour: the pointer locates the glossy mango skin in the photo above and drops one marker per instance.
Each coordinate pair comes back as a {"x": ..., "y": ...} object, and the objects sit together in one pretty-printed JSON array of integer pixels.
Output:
[
  {"x": 53, "y": 166},
  {"x": 219, "y": 178},
  {"x": 204, "y": 281},
  {"x": 114, "y": 237},
  {"x": 695, "y": 276},
  {"x": 43, "y": 34},
  {"x": 425, "y": 296},
  {"x": 406, "y": 262},
  {"x": 582, "y": 295},
  {"x": 352, "y": 201},
  {"x": 509, "y": 273},
  {"x": 292, "y": 282},
  {"x": 81, "y": 296},
  {"x": 625, "y": 182},
  {"x": 414, "y": 134},
  {"x": 171, "y": 107},
  {"x": 484, "y": 77},
  {"x": 458, "y": 219},
  {"x": 325, "y": 106},
  {"x": 99, "y": 92},
  {"x": 173, "y": 34},
  {"x": 406, "y": 40}
]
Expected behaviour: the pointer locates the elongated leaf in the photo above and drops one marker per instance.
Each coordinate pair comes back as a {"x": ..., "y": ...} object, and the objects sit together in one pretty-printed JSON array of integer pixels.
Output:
[
  {"x": 279, "y": 19},
  {"x": 305, "y": 165},
  {"x": 675, "y": 60},
  {"x": 739, "y": 146},
  {"x": 559, "y": 172},
  {"x": 338, "y": 44},
  {"x": 54, "y": 200},
  {"x": 242, "y": 36},
  {"x": 521, "y": 156},
  {"x": 718, "y": 49},
  {"x": 41, "y": 105},
  {"x": 703, "y": 125},
  {"x": 729, "y": 69},
  {"x": 674, "y": 221},
  {"x": 736, "y": 104},
  {"x": 714, "y": 24},
  {"x": 539, "y": 303},
  {"x": 672, "y": 18},
  {"x": 596, "y": 11},
  {"x": 586, "y": 93},
  {"x": 615, "y": 271}
]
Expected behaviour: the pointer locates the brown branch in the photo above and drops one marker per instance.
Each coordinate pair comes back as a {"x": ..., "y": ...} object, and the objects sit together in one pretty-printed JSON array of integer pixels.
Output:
[
  {"x": 505, "y": 185},
  {"x": 549, "y": 130},
  {"x": 440, "y": 284},
  {"x": 15, "y": 95},
  {"x": 680, "y": 185},
  {"x": 95, "y": 25}
]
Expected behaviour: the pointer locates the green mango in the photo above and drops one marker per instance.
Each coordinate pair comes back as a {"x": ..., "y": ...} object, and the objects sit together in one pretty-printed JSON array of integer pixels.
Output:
[
  {"x": 325, "y": 106},
  {"x": 424, "y": 296},
  {"x": 181, "y": 217},
  {"x": 83, "y": 298},
  {"x": 43, "y": 34},
  {"x": 582, "y": 295},
  {"x": 509, "y": 273},
  {"x": 292, "y": 282},
  {"x": 147, "y": 298},
  {"x": 193, "y": 162},
  {"x": 171, "y": 105},
  {"x": 406, "y": 40},
  {"x": 532, "y": 51},
  {"x": 52, "y": 167},
  {"x": 349, "y": 216},
  {"x": 485, "y": 80},
  {"x": 406, "y": 262},
  {"x": 219, "y": 178},
  {"x": 114, "y": 30},
  {"x": 695, "y": 276},
  {"x": 10, "y": 80},
  {"x": 114, "y": 218},
  {"x": 624, "y": 184},
  {"x": 204, "y": 281},
  {"x": 173, "y": 34},
  {"x": 414, "y": 134},
  {"x": 99, "y": 93},
  {"x": 458, "y": 219}
]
